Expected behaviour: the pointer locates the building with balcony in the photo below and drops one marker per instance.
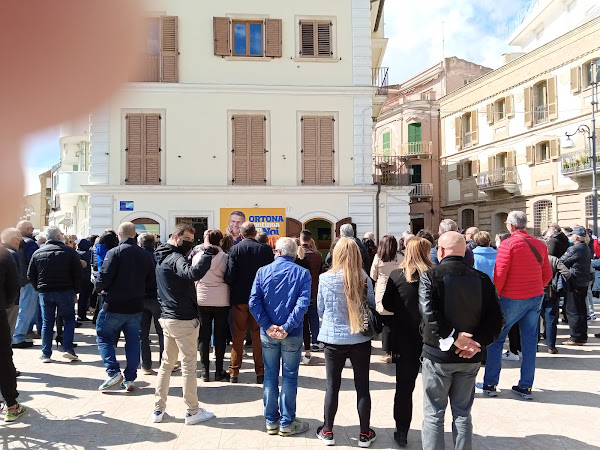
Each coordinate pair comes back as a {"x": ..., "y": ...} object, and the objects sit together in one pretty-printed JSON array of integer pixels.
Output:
[
  {"x": 502, "y": 138},
  {"x": 406, "y": 137},
  {"x": 265, "y": 107}
]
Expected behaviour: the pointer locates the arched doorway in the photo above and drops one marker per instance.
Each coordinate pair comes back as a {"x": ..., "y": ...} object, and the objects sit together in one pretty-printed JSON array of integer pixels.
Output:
[
  {"x": 146, "y": 225},
  {"x": 322, "y": 233},
  {"x": 499, "y": 223}
]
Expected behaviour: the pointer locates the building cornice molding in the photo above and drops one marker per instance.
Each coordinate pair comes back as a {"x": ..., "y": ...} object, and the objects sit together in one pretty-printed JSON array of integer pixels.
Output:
[{"x": 147, "y": 189}]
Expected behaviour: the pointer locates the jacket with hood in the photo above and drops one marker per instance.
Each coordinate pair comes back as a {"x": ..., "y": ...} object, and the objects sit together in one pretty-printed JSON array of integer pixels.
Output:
[
  {"x": 55, "y": 267},
  {"x": 333, "y": 309},
  {"x": 9, "y": 286},
  {"x": 485, "y": 260},
  {"x": 558, "y": 244},
  {"x": 175, "y": 277},
  {"x": 578, "y": 259}
]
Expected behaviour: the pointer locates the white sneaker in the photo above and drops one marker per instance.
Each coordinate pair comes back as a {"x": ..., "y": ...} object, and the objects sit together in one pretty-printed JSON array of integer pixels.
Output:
[
  {"x": 45, "y": 359},
  {"x": 110, "y": 382},
  {"x": 127, "y": 385},
  {"x": 348, "y": 363},
  {"x": 201, "y": 415},
  {"x": 509, "y": 356},
  {"x": 157, "y": 416},
  {"x": 306, "y": 359},
  {"x": 70, "y": 356}
]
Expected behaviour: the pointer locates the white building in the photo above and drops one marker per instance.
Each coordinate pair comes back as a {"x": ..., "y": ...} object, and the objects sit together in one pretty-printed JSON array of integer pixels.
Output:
[{"x": 263, "y": 106}]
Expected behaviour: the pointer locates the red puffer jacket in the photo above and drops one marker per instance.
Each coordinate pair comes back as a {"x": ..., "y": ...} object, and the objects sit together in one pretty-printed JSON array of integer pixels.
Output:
[{"x": 518, "y": 274}]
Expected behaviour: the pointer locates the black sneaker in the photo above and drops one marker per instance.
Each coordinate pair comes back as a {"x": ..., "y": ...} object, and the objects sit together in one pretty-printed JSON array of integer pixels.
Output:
[
  {"x": 205, "y": 376},
  {"x": 487, "y": 389},
  {"x": 223, "y": 376},
  {"x": 23, "y": 344},
  {"x": 525, "y": 393},
  {"x": 325, "y": 436},
  {"x": 233, "y": 379},
  {"x": 401, "y": 438},
  {"x": 260, "y": 379},
  {"x": 364, "y": 440}
]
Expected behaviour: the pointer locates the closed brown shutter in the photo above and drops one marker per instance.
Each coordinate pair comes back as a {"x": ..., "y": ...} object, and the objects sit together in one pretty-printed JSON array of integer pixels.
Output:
[
  {"x": 527, "y": 102},
  {"x": 324, "y": 39},
  {"x": 240, "y": 155},
  {"x": 459, "y": 171},
  {"x": 509, "y": 109},
  {"x": 169, "y": 49},
  {"x": 529, "y": 155},
  {"x": 490, "y": 113},
  {"x": 273, "y": 38},
  {"x": 552, "y": 99},
  {"x": 152, "y": 149},
  {"x": 134, "y": 149},
  {"x": 249, "y": 145},
  {"x": 457, "y": 132},
  {"x": 221, "y": 36},
  {"x": 307, "y": 38},
  {"x": 554, "y": 149},
  {"x": 309, "y": 150},
  {"x": 474, "y": 127},
  {"x": 318, "y": 150},
  {"x": 326, "y": 150},
  {"x": 490, "y": 163},
  {"x": 258, "y": 163},
  {"x": 575, "y": 79}
]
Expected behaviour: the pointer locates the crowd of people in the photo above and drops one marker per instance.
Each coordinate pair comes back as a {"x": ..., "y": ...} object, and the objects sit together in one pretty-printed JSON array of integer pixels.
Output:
[{"x": 445, "y": 305}]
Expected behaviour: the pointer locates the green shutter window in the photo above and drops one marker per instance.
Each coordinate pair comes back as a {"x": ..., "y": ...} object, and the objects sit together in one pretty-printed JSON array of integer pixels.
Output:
[
  {"x": 414, "y": 132},
  {"x": 386, "y": 143}
]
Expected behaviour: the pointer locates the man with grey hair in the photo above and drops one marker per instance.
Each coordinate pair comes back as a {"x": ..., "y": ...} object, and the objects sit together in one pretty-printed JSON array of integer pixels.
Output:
[
  {"x": 558, "y": 242},
  {"x": 370, "y": 235},
  {"x": 279, "y": 299},
  {"x": 469, "y": 235},
  {"x": 55, "y": 272},
  {"x": 41, "y": 239},
  {"x": 347, "y": 230},
  {"x": 521, "y": 272},
  {"x": 125, "y": 276},
  {"x": 445, "y": 226}
]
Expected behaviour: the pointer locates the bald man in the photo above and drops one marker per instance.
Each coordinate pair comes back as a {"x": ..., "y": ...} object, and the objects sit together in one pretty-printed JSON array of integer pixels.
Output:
[
  {"x": 126, "y": 273},
  {"x": 461, "y": 315}
]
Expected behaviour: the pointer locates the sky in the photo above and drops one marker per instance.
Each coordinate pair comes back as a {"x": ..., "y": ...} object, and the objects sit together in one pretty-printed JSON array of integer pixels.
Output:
[{"x": 474, "y": 30}]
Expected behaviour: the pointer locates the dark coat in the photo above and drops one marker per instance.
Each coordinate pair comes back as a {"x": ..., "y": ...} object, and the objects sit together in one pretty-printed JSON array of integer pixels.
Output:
[
  {"x": 453, "y": 296},
  {"x": 469, "y": 258},
  {"x": 83, "y": 250},
  {"x": 578, "y": 259},
  {"x": 315, "y": 268},
  {"x": 125, "y": 274},
  {"x": 152, "y": 289},
  {"x": 244, "y": 261},
  {"x": 55, "y": 267},
  {"x": 9, "y": 284},
  {"x": 558, "y": 244},
  {"x": 30, "y": 248}
]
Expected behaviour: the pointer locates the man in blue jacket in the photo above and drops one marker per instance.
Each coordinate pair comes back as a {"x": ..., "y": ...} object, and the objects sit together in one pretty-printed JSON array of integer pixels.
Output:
[{"x": 278, "y": 301}]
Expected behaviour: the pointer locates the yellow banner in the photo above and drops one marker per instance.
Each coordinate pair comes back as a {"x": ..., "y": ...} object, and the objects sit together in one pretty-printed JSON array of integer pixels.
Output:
[{"x": 269, "y": 220}]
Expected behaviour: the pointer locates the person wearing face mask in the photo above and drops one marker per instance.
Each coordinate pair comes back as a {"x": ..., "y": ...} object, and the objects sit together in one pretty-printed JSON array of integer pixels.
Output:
[
  {"x": 175, "y": 276},
  {"x": 125, "y": 274}
]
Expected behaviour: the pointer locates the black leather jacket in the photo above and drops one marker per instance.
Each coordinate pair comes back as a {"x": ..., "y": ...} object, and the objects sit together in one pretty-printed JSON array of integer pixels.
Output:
[
  {"x": 578, "y": 259},
  {"x": 453, "y": 296}
]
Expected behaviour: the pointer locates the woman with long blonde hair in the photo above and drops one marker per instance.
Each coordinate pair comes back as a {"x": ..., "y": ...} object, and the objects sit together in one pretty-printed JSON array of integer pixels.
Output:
[
  {"x": 342, "y": 294},
  {"x": 401, "y": 297}
]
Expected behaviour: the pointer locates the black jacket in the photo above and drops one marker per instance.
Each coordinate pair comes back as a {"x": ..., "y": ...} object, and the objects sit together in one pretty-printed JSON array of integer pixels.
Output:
[
  {"x": 558, "y": 244},
  {"x": 578, "y": 259},
  {"x": 55, "y": 267},
  {"x": 83, "y": 250},
  {"x": 125, "y": 273},
  {"x": 364, "y": 255},
  {"x": 244, "y": 261},
  {"x": 9, "y": 280},
  {"x": 19, "y": 257},
  {"x": 402, "y": 298},
  {"x": 152, "y": 289},
  {"x": 455, "y": 296},
  {"x": 175, "y": 278}
]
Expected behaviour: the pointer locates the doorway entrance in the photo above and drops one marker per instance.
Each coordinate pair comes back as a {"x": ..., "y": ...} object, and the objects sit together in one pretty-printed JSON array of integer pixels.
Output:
[
  {"x": 322, "y": 233},
  {"x": 417, "y": 224},
  {"x": 499, "y": 224},
  {"x": 200, "y": 225}
]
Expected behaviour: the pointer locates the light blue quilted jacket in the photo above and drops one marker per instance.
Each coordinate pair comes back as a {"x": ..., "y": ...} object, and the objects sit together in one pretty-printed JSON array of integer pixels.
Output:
[{"x": 333, "y": 309}]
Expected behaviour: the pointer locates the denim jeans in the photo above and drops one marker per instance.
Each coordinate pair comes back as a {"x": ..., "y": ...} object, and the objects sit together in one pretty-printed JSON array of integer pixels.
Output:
[
  {"x": 37, "y": 319},
  {"x": 28, "y": 300},
  {"x": 287, "y": 351},
  {"x": 527, "y": 313},
  {"x": 441, "y": 382},
  {"x": 64, "y": 302},
  {"x": 108, "y": 328},
  {"x": 550, "y": 317}
]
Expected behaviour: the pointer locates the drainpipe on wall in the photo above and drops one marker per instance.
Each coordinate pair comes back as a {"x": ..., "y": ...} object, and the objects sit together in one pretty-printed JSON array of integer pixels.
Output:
[{"x": 377, "y": 212}]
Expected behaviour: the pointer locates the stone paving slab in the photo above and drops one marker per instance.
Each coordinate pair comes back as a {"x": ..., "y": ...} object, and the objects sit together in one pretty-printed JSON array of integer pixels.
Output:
[{"x": 66, "y": 410}]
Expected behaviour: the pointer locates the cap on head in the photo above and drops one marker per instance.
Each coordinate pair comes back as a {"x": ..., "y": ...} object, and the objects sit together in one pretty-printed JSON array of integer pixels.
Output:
[{"x": 577, "y": 231}]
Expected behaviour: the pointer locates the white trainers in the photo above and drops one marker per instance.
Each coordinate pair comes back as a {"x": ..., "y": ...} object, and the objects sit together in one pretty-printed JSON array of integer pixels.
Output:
[
  {"x": 128, "y": 385},
  {"x": 510, "y": 356},
  {"x": 45, "y": 359},
  {"x": 70, "y": 356},
  {"x": 201, "y": 415},
  {"x": 306, "y": 359},
  {"x": 157, "y": 416},
  {"x": 111, "y": 381},
  {"x": 348, "y": 363}
]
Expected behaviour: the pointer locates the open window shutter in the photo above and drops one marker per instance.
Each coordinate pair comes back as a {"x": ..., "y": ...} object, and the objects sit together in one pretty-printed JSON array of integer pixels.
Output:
[
  {"x": 169, "y": 49},
  {"x": 459, "y": 170},
  {"x": 307, "y": 38},
  {"x": 323, "y": 43},
  {"x": 554, "y": 149},
  {"x": 293, "y": 227},
  {"x": 258, "y": 147},
  {"x": 339, "y": 224},
  {"x": 537, "y": 152},
  {"x": 273, "y": 38},
  {"x": 509, "y": 108},
  {"x": 326, "y": 150},
  {"x": 529, "y": 154},
  {"x": 490, "y": 163},
  {"x": 552, "y": 100},
  {"x": 511, "y": 159},
  {"x": 475, "y": 167},
  {"x": 527, "y": 102},
  {"x": 240, "y": 159},
  {"x": 309, "y": 150},
  {"x": 474, "y": 127},
  {"x": 152, "y": 149},
  {"x": 490, "y": 113},
  {"x": 575, "y": 79},
  {"x": 134, "y": 149},
  {"x": 457, "y": 132},
  {"x": 221, "y": 36}
]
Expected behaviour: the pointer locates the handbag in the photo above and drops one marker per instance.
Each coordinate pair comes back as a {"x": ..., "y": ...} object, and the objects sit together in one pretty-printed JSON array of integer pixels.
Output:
[{"x": 372, "y": 323}]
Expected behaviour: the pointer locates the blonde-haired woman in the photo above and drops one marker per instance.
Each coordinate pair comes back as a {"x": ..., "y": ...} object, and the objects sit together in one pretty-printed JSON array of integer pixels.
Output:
[
  {"x": 402, "y": 298},
  {"x": 340, "y": 302}
]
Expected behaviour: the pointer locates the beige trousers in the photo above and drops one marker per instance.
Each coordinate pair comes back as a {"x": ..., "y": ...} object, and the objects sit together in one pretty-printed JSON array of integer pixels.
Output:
[{"x": 181, "y": 336}]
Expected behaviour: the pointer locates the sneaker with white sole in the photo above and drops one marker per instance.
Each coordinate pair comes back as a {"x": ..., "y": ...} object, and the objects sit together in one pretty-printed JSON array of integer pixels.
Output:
[
  {"x": 296, "y": 427},
  {"x": 364, "y": 440},
  {"x": 510, "y": 356},
  {"x": 486, "y": 389},
  {"x": 306, "y": 359},
  {"x": 45, "y": 359},
  {"x": 71, "y": 356},
  {"x": 128, "y": 385},
  {"x": 273, "y": 428},
  {"x": 111, "y": 382},
  {"x": 325, "y": 436},
  {"x": 201, "y": 415},
  {"x": 524, "y": 393},
  {"x": 157, "y": 416}
]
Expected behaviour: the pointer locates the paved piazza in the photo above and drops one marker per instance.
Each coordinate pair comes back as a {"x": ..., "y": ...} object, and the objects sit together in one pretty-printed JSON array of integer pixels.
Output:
[{"x": 66, "y": 410}]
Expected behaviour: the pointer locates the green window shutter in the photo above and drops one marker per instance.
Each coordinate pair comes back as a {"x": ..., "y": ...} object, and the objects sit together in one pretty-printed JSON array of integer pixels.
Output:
[
  {"x": 386, "y": 143},
  {"x": 414, "y": 132}
]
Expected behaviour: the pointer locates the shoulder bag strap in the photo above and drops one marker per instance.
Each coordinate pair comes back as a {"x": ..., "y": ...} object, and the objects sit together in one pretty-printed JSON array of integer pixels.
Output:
[{"x": 534, "y": 250}]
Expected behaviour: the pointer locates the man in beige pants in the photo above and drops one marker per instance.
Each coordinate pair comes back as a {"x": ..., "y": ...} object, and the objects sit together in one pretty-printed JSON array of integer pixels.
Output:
[{"x": 175, "y": 278}]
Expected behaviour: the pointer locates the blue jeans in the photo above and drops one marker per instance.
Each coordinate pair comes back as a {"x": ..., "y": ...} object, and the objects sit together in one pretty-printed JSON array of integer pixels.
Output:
[
  {"x": 108, "y": 328},
  {"x": 64, "y": 301},
  {"x": 550, "y": 311},
  {"x": 28, "y": 300},
  {"x": 288, "y": 351},
  {"x": 527, "y": 313},
  {"x": 37, "y": 320}
]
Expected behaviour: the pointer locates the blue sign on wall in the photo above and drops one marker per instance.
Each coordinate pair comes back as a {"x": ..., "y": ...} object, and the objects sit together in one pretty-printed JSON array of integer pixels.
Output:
[{"x": 126, "y": 206}]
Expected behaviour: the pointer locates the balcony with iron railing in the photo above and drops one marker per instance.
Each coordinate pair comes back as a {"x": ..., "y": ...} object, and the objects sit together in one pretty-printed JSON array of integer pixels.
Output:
[
  {"x": 390, "y": 171},
  {"x": 540, "y": 114},
  {"x": 380, "y": 80},
  {"x": 421, "y": 190},
  {"x": 578, "y": 163},
  {"x": 418, "y": 149},
  {"x": 503, "y": 179}
]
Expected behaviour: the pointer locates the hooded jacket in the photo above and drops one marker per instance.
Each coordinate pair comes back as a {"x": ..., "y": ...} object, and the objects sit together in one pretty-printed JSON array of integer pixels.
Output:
[
  {"x": 558, "y": 244},
  {"x": 175, "y": 277}
]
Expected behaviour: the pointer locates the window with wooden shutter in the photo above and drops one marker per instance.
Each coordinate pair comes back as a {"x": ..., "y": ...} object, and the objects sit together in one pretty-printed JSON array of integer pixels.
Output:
[
  {"x": 459, "y": 171},
  {"x": 458, "y": 131},
  {"x": 490, "y": 163},
  {"x": 552, "y": 99},
  {"x": 474, "y": 127},
  {"x": 318, "y": 150},
  {"x": 527, "y": 103},
  {"x": 143, "y": 159},
  {"x": 529, "y": 152},
  {"x": 249, "y": 150},
  {"x": 554, "y": 149},
  {"x": 221, "y": 33},
  {"x": 315, "y": 39},
  {"x": 273, "y": 38},
  {"x": 475, "y": 167},
  {"x": 490, "y": 113},
  {"x": 169, "y": 49},
  {"x": 159, "y": 62},
  {"x": 509, "y": 107},
  {"x": 575, "y": 79}
]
